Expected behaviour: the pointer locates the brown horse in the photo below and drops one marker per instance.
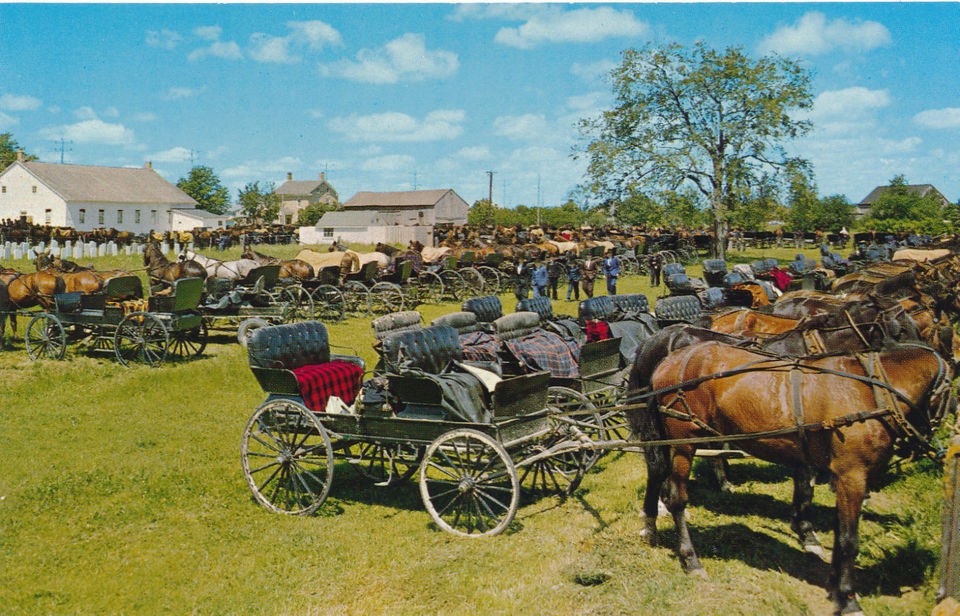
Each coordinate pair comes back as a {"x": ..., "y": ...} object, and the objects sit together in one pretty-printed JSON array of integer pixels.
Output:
[
  {"x": 22, "y": 291},
  {"x": 164, "y": 272},
  {"x": 839, "y": 415},
  {"x": 45, "y": 260},
  {"x": 743, "y": 321},
  {"x": 296, "y": 269}
]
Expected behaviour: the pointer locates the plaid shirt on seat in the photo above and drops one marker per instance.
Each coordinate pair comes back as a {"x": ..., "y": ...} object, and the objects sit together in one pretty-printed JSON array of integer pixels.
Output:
[{"x": 335, "y": 378}]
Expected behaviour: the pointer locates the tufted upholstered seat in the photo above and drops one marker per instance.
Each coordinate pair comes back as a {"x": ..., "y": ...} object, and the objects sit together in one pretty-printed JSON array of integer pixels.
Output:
[
  {"x": 295, "y": 359},
  {"x": 599, "y": 308},
  {"x": 713, "y": 271},
  {"x": 670, "y": 269},
  {"x": 430, "y": 349},
  {"x": 528, "y": 347},
  {"x": 678, "y": 308},
  {"x": 540, "y": 304},
  {"x": 712, "y": 298},
  {"x": 488, "y": 308},
  {"x": 464, "y": 322},
  {"x": 631, "y": 302},
  {"x": 516, "y": 325},
  {"x": 763, "y": 266},
  {"x": 681, "y": 284},
  {"x": 478, "y": 345},
  {"x": 396, "y": 322}
]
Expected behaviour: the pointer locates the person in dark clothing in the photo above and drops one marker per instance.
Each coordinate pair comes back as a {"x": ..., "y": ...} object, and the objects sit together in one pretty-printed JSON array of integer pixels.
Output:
[
  {"x": 588, "y": 274},
  {"x": 573, "y": 279},
  {"x": 611, "y": 271},
  {"x": 554, "y": 272},
  {"x": 521, "y": 279},
  {"x": 656, "y": 264}
]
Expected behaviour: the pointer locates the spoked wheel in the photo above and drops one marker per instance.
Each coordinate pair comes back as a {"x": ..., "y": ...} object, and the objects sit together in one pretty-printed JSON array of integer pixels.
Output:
[
  {"x": 287, "y": 458},
  {"x": 431, "y": 287},
  {"x": 385, "y": 464},
  {"x": 328, "y": 303},
  {"x": 297, "y": 304},
  {"x": 559, "y": 473},
  {"x": 186, "y": 343},
  {"x": 247, "y": 327},
  {"x": 469, "y": 484},
  {"x": 384, "y": 298},
  {"x": 491, "y": 279},
  {"x": 142, "y": 338},
  {"x": 357, "y": 297},
  {"x": 45, "y": 337},
  {"x": 577, "y": 420},
  {"x": 453, "y": 285},
  {"x": 472, "y": 282}
]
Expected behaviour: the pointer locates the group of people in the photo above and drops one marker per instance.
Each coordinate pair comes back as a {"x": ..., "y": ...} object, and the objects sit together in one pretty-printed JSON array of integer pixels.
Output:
[{"x": 543, "y": 276}]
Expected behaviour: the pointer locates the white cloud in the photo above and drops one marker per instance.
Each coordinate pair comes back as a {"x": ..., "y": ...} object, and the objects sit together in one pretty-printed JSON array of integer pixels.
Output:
[
  {"x": 312, "y": 35},
  {"x": 586, "y": 25},
  {"x": 13, "y": 102},
  {"x": 163, "y": 39},
  {"x": 178, "y": 154},
  {"x": 847, "y": 111},
  {"x": 208, "y": 33},
  {"x": 586, "y": 102},
  {"x": 226, "y": 50},
  {"x": 92, "y": 131},
  {"x": 145, "y": 116},
  {"x": 404, "y": 58},
  {"x": 85, "y": 113},
  {"x": 269, "y": 170},
  {"x": 476, "y": 153},
  {"x": 394, "y": 126},
  {"x": 593, "y": 71},
  {"x": 948, "y": 117},
  {"x": 389, "y": 163},
  {"x": 527, "y": 126},
  {"x": 6, "y": 121},
  {"x": 180, "y": 92},
  {"x": 814, "y": 35}
]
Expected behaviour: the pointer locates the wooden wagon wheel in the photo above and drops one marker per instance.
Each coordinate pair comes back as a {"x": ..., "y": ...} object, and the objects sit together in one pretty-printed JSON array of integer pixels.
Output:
[
  {"x": 384, "y": 298},
  {"x": 386, "y": 464},
  {"x": 473, "y": 281},
  {"x": 45, "y": 337},
  {"x": 297, "y": 304},
  {"x": 141, "y": 337},
  {"x": 469, "y": 484},
  {"x": 357, "y": 297},
  {"x": 430, "y": 287},
  {"x": 328, "y": 303},
  {"x": 185, "y": 343},
  {"x": 287, "y": 458},
  {"x": 491, "y": 279},
  {"x": 247, "y": 327},
  {"x": 453, "y": 285}
]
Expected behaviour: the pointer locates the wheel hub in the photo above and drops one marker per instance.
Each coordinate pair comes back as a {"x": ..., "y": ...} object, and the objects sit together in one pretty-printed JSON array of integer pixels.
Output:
[{"x": 467, "y": 484}]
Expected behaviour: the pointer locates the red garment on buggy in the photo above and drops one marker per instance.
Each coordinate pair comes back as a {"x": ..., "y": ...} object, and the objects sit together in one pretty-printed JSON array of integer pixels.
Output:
[
  {"x": 780, "y": 278},
  {"x": 543, "y": 350},
  {"x": 335, "y": 378},
  {"x": 598, "y": 330}
]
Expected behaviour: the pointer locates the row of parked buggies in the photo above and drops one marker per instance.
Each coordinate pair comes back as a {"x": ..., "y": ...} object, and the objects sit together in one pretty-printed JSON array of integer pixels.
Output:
[{"x": 480, "y": 403}]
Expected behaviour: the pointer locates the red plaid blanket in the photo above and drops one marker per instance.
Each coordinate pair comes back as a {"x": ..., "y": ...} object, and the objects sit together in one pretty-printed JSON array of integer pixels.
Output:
[
  {"x": 335, "y": 378},
  {"x": 543, "y": 350},
  {"x": 598, "y": 330},
  {"x": 479, "y": 346}
]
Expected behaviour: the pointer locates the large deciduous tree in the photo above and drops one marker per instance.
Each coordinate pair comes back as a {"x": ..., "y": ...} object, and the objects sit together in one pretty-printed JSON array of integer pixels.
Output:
[
  {"x": 260, "y": 205},
  {"x": 8, "y": 151},
  {"x": 204, "y": 186},
  {"x": 714, "y": 120},
  {"x": 902, "y": 208}
]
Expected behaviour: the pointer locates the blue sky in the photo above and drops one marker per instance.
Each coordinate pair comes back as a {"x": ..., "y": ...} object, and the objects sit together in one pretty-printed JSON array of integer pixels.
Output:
[{"x": 392, "y": 96}]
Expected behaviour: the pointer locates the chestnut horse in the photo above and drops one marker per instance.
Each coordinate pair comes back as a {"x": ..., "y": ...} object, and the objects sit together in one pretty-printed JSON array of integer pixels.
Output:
[
  {"x": 297, "y": 269},
  {"x": 838, "y": 414},
  {"x": 21, "y": 291},
  {"x": 162, "y": 271},
  {"x": 746, "y": 321}
]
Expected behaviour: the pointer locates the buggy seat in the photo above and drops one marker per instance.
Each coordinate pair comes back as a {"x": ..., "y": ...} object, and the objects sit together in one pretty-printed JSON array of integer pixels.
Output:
[
  {"x": 678, "y": 309},
  {"x": 477, "y": 344},
  {"x": 533, "y": 348},
  {"x": 396, "y": 322},
  {"x": 488, "y": 308},
  {"x": 563, "y": 325},
  {"x": 295, "y": 360}
]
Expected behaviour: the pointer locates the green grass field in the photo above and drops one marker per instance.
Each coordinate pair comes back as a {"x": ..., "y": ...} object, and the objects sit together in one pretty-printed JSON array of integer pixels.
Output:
[{"x": 122, "y": 492}]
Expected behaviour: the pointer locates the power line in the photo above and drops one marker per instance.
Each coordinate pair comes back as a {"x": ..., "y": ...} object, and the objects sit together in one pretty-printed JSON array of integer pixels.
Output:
[{"x": 63, "y": 147}]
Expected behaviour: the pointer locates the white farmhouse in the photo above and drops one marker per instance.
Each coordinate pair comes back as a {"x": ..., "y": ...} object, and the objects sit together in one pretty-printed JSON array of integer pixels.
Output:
[
  {"x": 389, "y": 217},
  {"x": 88, "y": 197}
]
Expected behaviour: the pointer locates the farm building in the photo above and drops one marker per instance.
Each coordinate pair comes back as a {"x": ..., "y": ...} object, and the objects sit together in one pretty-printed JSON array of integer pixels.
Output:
[
  {"x": 296, "y": 195},
  {"x": 390, "y": 217},
  {"x": 921, "y": 190},
  {"x": 89, "y": 197}
]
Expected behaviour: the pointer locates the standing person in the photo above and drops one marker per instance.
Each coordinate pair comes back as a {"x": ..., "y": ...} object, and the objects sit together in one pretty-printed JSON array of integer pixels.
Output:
[
  {"x": 588, "y": 273},
  {"x": 540, "y": 279},
  {"x": 573, "y": 278},
  {"x": 656, "y": 264},
  {"x": 521, "y": 279},
  {"x": 611, "y": 271},
  {"x": 554, "y": 272}
]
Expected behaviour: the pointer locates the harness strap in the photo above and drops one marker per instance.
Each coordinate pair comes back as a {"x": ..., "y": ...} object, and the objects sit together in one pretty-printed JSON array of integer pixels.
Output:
[
  {"x": 740, "y": 319},
  {"x": 814, "y": 342},
  {"x": 796, "y": 390}
]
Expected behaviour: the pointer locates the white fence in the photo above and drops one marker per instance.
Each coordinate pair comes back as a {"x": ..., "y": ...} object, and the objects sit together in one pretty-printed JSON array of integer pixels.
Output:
[{"x": 17, "y": 251}]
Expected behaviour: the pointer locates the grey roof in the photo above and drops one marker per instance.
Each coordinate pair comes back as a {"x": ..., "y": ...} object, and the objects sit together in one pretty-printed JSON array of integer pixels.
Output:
[
  {"x": 921, "y": 190},
  {"x": 406, "y": 198},
  {"x": 108, "y": 184},
  {"x": 303, "y": 187},
  {"x": 350, "y": 219},
  {"x": 202, "y": 214}
]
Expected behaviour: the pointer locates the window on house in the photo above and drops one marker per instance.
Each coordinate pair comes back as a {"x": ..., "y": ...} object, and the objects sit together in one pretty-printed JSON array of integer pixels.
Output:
[
  {"x": 83, "y": 216},
  {"x": 3, "y": 189},
  {"x": 34, "y": 189},
  {"x": 328, "y": 232},
  {"x": 136, "y": 216},
  {"x": 170, "y": 217},
  {"x": 100, "y": 218},
  {"x": 153, "y": 217},
  {"x": 119, "y": 217},
  {"x": 47, "y": 216}
]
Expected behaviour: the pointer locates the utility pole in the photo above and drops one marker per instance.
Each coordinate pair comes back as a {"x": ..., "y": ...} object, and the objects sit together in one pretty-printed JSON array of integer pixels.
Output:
[
  {"x": 63, "y": 147},
  {"x": 490, "y": 189},
  {"x": 414, "y": 179}
]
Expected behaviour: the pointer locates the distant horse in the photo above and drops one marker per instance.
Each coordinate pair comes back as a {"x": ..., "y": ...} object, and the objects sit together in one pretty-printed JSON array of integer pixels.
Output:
[
  {"x": 297, "y": 269},
  {"x": 840, "y": 415},
  {"x": 215, "y": 268},
  {"x": 45, "y": 260},
  {"x": 163, "y": 271}
]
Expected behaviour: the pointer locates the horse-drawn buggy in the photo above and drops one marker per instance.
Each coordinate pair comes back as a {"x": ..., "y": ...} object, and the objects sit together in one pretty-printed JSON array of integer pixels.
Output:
[
  {"x": 475, "y": 438},
  {"x": 119, "y": 319}
]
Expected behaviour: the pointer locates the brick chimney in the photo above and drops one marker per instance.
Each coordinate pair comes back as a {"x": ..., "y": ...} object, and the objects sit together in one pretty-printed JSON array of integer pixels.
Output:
[
  {"x": 20, "y": 156},
  {"x": 323, "y": 176},
  {"x": 289, "y": 175}
]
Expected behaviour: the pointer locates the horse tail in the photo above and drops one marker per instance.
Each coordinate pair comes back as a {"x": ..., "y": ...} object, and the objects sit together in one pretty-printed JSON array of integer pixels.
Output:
[{"x": 646, "y": 423}]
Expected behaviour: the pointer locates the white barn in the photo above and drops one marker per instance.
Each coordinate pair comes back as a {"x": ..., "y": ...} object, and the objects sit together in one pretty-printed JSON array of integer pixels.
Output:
[{"x": 88, "y": 197}]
